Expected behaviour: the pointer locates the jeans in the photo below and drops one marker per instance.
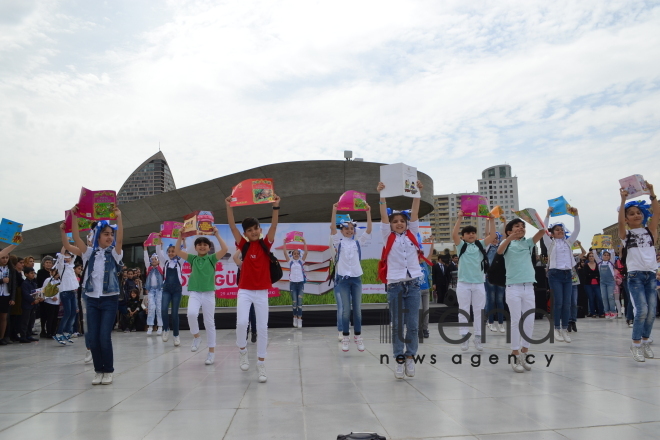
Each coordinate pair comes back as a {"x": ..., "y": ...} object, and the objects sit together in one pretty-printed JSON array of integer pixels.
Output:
[
  {"x": 574, "y": 307},
  {"x": 69, "y": 302},
  {"x": 155, "y": 307},
  {"x": 173, "y": 296},
  {"x": 630, "y": 310},
  {"x": 403, "y": 299},
  {"x": 645, "y": 300},
  {"x": 340, "y": 309},
  {"x": 494, "y": 300},
  {"x": 561, "y": 283},
  {"x": 297, "y": 297},
  {"x": 425, "y": 294},
  {"x": 101, "y": 314},
  {"x": 607, "y": 293},
  {"x": 123, "y": 309},
  {"x": 350, "y": 290},
  {"x": 595, "y": 300}
]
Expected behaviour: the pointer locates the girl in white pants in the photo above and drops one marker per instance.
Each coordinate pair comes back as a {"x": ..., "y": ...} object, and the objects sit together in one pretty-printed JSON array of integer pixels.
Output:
[
  {"x": 154, "y": 285},
  {"x": 520, "y": 278}
]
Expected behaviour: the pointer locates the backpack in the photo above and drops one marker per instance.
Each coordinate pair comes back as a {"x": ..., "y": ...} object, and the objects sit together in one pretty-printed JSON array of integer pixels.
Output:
[
  {"x": 624, "y": 250},
  {"x": 484, "y": 261},
  {"x": 382, "y": 264},
  {"x": 361, "y": 436},
  {"x": 496, "y": 274},
  {"x": 333, "y": 269},
  {"x": 275, "y": 268}
]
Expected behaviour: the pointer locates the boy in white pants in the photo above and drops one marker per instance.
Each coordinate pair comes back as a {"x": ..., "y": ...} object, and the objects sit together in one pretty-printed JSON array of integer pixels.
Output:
[
  {"x": 472, "y": 265},
  {"x": 201, "y": 288},
  {"x": 254, "y": 283}
]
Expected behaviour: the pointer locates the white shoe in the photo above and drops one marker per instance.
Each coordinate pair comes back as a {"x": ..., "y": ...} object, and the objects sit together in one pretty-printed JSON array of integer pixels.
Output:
[
  {"x": 646, "y": 350},
  {"x": 88, "y": 357},
  {"x": 261, "y": 372},
  {"x": 502, "y": 328},
  {"x": 523, "y": 360},
  {"x": 558, "y": 336},
  {"x": 492, "y": 327},
  {"x": 177, "y": 341},
  {"x": 341, "y": 336},
  {"x": 517, "y": 365},
  {"x": 465, "y": 345},
  {"x": 477, "y": 343},
  {"x": 344, "y": 344},
  {"x": 160, "y": 331},
  {"x": 638, "y": 353},
  {"x": 195, "y": 344},
  {"x": 210, "y": 358},
  {"x": 243, "y": 361},
  {"x": 166, "y": 336},
  {"x": 359, "y": 342},
  {"x": 398, "y": 371},
  {"x": 107, "y": 379},
  {"x": 98, "y": 377},
  {"x": 299, "y": 322},
  {"x": 149, "y": 331},
  {"x": 410, "y": 367},
  {"x": 567, "y": 338},
  {"x": 295, "y": 322}
]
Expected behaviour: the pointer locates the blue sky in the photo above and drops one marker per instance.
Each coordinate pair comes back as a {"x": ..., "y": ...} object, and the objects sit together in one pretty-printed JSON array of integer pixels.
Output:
[{"x": 568, "y": 93}]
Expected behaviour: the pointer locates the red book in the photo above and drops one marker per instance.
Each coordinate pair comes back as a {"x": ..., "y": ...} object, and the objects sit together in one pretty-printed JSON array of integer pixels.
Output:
[{"x": 253, "y": 192}]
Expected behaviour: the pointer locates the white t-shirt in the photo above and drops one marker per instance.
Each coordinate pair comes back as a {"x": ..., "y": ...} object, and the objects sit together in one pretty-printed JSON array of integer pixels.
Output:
[
  {"x": 98, "y": 271},
  {"x": 403, "y": 259},
  {"x": 349, "y": 257},
  {"x": 68, "y": 282},
  {"x": 296, "y": 275},
  {"x": 641, "y": 253}
]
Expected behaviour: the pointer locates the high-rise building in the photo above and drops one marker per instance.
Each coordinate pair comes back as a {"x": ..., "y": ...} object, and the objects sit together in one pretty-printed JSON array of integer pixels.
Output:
[
  {"x": 152, "y": 177},
  {"x": 443, "y": 217}
]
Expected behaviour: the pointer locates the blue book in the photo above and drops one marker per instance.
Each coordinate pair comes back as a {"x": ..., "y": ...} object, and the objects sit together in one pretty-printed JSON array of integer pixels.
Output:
[
  {"x": 560, "y": 207},
  {"x": 342, "y": 217},
  {"x": 10, "y": 232}
]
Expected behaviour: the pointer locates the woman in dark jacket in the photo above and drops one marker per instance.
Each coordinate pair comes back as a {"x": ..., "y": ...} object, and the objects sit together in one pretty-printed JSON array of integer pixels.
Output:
[
  {"x": 591, "y": 277},
  {"x": 7, "y": 295},
  {"x": 16, "y": 312}
]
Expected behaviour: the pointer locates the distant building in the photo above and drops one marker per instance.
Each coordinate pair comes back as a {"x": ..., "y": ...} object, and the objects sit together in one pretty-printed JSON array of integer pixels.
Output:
[
  {"x": 443, "y": 217},
  {"x": 152, "y": 177},
  {"x": 613, "y": 230}
]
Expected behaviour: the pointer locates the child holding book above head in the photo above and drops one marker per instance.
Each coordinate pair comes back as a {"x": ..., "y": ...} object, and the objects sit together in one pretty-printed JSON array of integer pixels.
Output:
[
  {"x": 154, "y": 285},
  {"x": 254, "y": 283},
  {"x": 296, "y": 279},
  {"x": 348, "y": 275},
  {"x": 172, "y": 282},
  {"x": 201, "y": 288},
  {"x": 638, "y": 255},
  {"x": 472, "y": 268},
  {"x": 402, "y": 254}
]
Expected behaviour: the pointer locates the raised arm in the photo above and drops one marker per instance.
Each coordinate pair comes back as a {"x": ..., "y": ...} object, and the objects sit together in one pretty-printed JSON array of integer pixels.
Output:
[
  {"x": 333, "y": 220},
  {"x": 383, "y": 205},
  {"x": 275, "y": 219},
  {"x": 120, "y": 230},
  {"x": 285, "y": 250},
  {"x": 162, "y": 256},
  {"x": 655, "y": 207},
  {"x": 414, "y": 215},
  {"x": 305, "y": 251},
  {"x": 576, "y": 225},
  {"x": 6, "y": 251},
  {"x": 223, "y": 246},
  {"x": 491, "y": 230},
  {"x": 597, "y": 259},
  {"x": 369, "y": 223},
  {"x": 430, "y": 253},
  {"x": 230, "y": 219},
  {"x": 177, "y": 249},
  {"x": 584, "y": 252},
  {"x": 457, "y": 228},
  {"x": 622, "y": 214},
  {"x": 538, "y": 235},
  {"x": 507, "y": 241},
  {"x": 80, "y": 244}
]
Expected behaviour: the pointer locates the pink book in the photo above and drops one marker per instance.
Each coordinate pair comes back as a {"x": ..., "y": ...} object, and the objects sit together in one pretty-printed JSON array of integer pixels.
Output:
[
  {"x": 83, "y": 223},
  {"x": 293, "y": 236},
  {"x": 153, "y": 240},
  {"x": 474, "y": 206},
  {"x": 97, "y": 205},
  {"x": 352, "y": 201},
  {"x": 170, "y": 229},
  {"x": 635, "y": 185}
]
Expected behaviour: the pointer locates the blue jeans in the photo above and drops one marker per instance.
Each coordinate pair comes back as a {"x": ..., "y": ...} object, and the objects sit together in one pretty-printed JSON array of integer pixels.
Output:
[
  {"x": 607, "y": 293},
  {"x": 494, "y": 300},
  {"x": 630, "y": 316},
  {"x": 340, "y": 309},
  {"x": 173, "y": 296},
  {"x": 101, "y": 313},
  {"x": 561, "y": 283},
  {"x": 350, "y": 290},
  {"x": 645, "y": 300},
  {"x": 403, "y": 299},
  {"x": 296, "y": 289},
  {"x": 69, "y": 302},
  {"x": 574, "y": 307},
  {"x": 595, "y": 300}
]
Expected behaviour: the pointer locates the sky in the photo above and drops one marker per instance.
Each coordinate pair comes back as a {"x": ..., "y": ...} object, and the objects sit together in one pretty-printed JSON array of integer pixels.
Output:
[{"x": 567, "y": 93}]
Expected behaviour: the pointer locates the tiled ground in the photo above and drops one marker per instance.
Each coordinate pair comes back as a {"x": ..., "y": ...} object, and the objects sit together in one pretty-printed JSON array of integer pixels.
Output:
[{"x": 591, "y": 390}]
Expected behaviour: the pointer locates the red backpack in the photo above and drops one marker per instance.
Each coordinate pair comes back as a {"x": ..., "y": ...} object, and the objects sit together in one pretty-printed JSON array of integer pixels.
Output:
[{"x": 382, "y": 264}]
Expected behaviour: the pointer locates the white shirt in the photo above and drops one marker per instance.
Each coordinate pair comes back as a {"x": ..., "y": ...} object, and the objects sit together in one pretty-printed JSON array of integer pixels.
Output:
[
  {"x": 349, "y": 257},
  {"x": 98, "y": 271},
  {"x": 4, "y": 273},
  {"x": 560, "y": 249},
  {"x": 296, "y": 274},
  {"x": 641, "y": 253},
  {"x": 68, "y": 281},
  {"x": 165, "y": 262},
  {"x": 403, "y": 260}
]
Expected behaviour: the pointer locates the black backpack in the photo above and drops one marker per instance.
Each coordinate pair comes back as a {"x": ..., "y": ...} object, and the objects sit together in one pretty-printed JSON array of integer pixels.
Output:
[
  {"x": 624, "y": 249},
  {"x": 484, "y": 261},
  {"x": 275, "y": 268},
  {"x": 497, "y": 271},
  {"x": 361, "y": 436}
]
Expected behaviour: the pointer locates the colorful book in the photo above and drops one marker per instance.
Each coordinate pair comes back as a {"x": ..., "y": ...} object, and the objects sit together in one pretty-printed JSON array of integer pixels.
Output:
[
  {"x": 474, "y": 205},
  {"x": 601, "y": 241},
  {"x": 352, "y": 201},
  {"x": 170, "y": 229},
  {"x": 153, "y": 240},
  {"x": 340, "y": 218},
  {"x": 11, "y": 232},
  {"x": 97, "y": 205},
  {"x": 530, "y": 216},
  {"x": 198, "y": 223},
  {"x": 400, "y": 180},
  {"x": 497, "y": 212},
  {"x": 83, "y": 223},
  {"x": 576, "y": 246},
  {"x": 253, "y": 192},
  {"x": 635, "y": 185},
  {"x": 560, "y": 207},
  {"x": 293, "y": 236}
]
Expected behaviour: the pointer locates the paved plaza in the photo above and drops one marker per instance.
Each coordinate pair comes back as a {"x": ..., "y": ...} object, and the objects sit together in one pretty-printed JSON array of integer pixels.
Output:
[{"x": 592, "y": 389}]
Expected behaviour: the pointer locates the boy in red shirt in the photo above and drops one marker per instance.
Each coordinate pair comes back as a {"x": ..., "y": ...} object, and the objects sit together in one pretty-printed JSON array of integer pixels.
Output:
[{"x": 254, "y": 283}]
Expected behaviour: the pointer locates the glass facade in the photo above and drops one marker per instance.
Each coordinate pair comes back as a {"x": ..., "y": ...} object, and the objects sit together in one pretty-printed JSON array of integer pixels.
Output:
[{"x": 152, "y": 177}]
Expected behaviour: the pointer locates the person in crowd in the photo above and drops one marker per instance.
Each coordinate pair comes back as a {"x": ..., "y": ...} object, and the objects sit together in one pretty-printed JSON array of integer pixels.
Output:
[
  {"x": 47, "y": 263},
  {"x": 254, "y": 283},
  {"x": 7, "y": 293},
  {"x": 592, "y": 286},
  {"x": 560, "y": 270},
  {"x": 68, "y": 287},
  {"x": 51, "y": 305},
  {"x": 494, "y": 294},
  {"x": 425, "y": 289},
  {"x": 134, "y": 306},
  {"x": 401, "y": 254},
  {"x": 441, "y": 274},
  {"x": 638, "y": 255},
  {"x": 28, "y": 263},
  {"x": 29, "y": 301},
  {"x": 297, "y": 279},
  {"x": 122, "y": 303},
  {"x": 348, "y": 274},
  {"x": 520, "y": 278},
  {"x": 172, "y": 290},
  {"x": 575, "y": 281},
  {"x": 154, "y": 287},
  {"x": 201, "y": 288},
  {"x": 16, "y": 310},
  {"x": 473, "y": 265},
  {"x": 607, "y": 281}
]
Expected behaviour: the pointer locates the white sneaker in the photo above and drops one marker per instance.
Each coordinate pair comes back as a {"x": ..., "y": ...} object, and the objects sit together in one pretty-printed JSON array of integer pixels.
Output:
[
  {"x": 630, "y": 325},
  {"x": 295, "y": 322},
  {"x": 359, "y": 342},
  {"x": 398, "y": 371},
  {"x": 344, "y": 344},
  {"x": 492, "y": 327},
  {"x": 638, "y": 353},
  {"x": 341, "y": 336},
  {"x": 107, "y": 379},
  {"x": 98, "y": 377},
  {"x": 243, "y": 361},
  {"x": 210, "y": 358},
  {"x": 195, "y": 344},
  {"x": 502, "y": 328},
  {"x": 523, "y": 360},
  {"x": 261, "y": 372},
  {"x": 567, "y": 338},
  {"x": 299, "y": 322},
  {"x": 477, "y": 343},
  {"x": 465, "y": 345},
  {"x": 410, "y": 367},
  {"x": 558, "y": 336},
  {"x": 166, "y": 336},
  {"x": 88, "y": 357},
  {"x": 646, "y": 349},
  {"x": 149, "y": 331},
  {"x": 160, "y": 331},
  {"x": 517, "y": 365},
  {"x": 177, "y": 341}
]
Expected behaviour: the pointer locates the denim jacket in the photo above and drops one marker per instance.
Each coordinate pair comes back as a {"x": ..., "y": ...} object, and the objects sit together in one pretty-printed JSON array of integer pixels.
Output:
[{"x": 110, "y": 279}]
